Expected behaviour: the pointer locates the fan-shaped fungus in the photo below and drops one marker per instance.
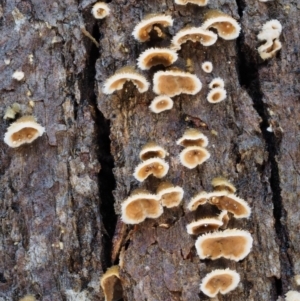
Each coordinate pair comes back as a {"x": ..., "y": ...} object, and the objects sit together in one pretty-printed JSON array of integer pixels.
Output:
[
  {"x": 216, "y": 83},
  {"x": 227, "y": 27},
  {"x": 204, "y": 225},
  {"x": 193, "y": 137},
  {"x": 152, "y": 150},
  {"x": 161, "y": 103},
  {"x": 216, "y": 95},
  {"x": 156, "y": 56},
  {"x": 117, "y": 81},
  {"x": 221, "y": 184},
  {"x": 219, "y": 281},
  {"x": 111, "y": 284},
  {"x": 207, "y": 67},
  {"x": 197, "y": 2},
  {"x": 193, "y": 156},
  {"x": 23, "y": 130},
  {"x": 199, "y": 199},
  {"x": 269, "y": 49},
  {"x": 100, "y": 10},
  {"x": 292, "y": 296},
  {"x": 232, "y": 244},
  {"x": 154, "y": 166},
  {"x": 170, "y": 195}
]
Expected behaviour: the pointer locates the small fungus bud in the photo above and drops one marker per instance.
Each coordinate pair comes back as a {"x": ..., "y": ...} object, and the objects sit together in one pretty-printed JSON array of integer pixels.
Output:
[
  {"x": 23, "y": 130},
  {"x": 152, "y": 150},
  {"x": 207, "y": 67},
  {"x": 100, "y": 10},
  {"x": 199, "y": 199},
  {"x": 292, "y": 296},
  {"x": 269, "y": 49},
  {"x": 117, "y": 81},
  {"x": 203, "y": 226},
  {"x": 216, "y": 95},
  {"x": 175, "y": 82},
  {"x": 197, "y": 2},
  {"x": 28, "y": 298},
  {"x": 225, "y": 218},
  {"x": 193, "y": 137},
  {"x": 154, "y": 166},
  {"x": 221, "y": 184},
  {"x": 161, "y": 103},
  {"x": 193, "y": 156},
  {"x": 142, "y": 30},
  {"x": 156, "y": 56},
  {"x": 227, "y": 27},
  {"x": 18, "y": 75},
  {"x": 216, "y": 83},
  {"x": 219, "y": 281},
  {"x": 170, "y": 195},
  {"x": 232, "y": 244},
  {"x": 111, "y": 284},
  {"x": 9, "y": 113}
]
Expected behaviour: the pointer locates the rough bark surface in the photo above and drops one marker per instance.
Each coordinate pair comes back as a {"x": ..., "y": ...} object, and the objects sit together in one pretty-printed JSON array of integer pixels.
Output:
[{"x": 61, "y": 195}]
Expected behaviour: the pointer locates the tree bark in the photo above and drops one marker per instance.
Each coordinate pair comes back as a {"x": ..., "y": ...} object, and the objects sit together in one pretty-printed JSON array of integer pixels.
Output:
[{"x": 61, "y": 195}]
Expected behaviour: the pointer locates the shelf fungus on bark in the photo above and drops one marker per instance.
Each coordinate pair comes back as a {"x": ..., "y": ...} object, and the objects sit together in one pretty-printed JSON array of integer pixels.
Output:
[
  {"x": 227, "y": 27},
  {"x": 269, "y": 49},
  {"x": 207, "y": 67},
  {"x": 204, "y": 225},
  {"x": 216, "y": 95},
  {"x": 141, "y": 204},
  {"x": 194, "y": 34},
  {"x": 169, "y": 195},
  {"x": 219, "y": 281},
  {"x": 216, "y": 83},
  {"x": 192, "y": 137},
  {"x": 100, "y": 10},
  {"x": 292, "y": 296},
  {"x": 175, "y": 82},
  {"x": 161, "y": 103},
  {"x": 221, "y": 184},
  {"x": 111, "y": 284},
  {"x": 142, "y": 30},
  {"x": 199, "y": 199},
  {"x": 117, "y": 81},
  {"x": 154, "y": 166},
  {"x": 197, "y": 2},
  {"x": 232, "y": 244},
  {"x": 192, "y": 156},
  {"x": 156, "y": 56},
  {"x": 23, "y": 130},
  {"x": 152, "y": 150}
]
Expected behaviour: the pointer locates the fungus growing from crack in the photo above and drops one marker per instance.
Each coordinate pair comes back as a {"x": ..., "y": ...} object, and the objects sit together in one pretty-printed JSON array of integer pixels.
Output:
[
  {"x": 227, "y": 27},
  {"x": 199, "y": 199},
  {"x": 233, "y": 204},
  {"x": 100, "y": 10},
  {"x": 192, "y": 137},
  {"x": 216, "y": 95},
  {"x": 152, "y": 150},
  {"x": 111, "y": 284},
  {"x": 216, "y": 83},
  {"x": 221, "y": 184},
  {"x": 142, "y": 30},
  {"x": 23, "y": 130},
  {"x": 170, "y": 195},
  {"x": 207, "y": 67},
  {"x": 269, "y": 49},
  {"x": 225, "y": 218},
  {"x": 156, "y": 56},
  {"x": 197, "y": 2},
  {"x": 161, "y": 103},
  {"x": 193, "y": 156},
  {"x": 194, "y": 34},
  {"x": 219, "y": 281},
  {"x": 204, "y": 225},
  {"x": 117, "y": 81},
  {"x": 140, "y": 205},
  {"x": 175, "y": 82},
  {"x": 154, "y": 166},
  {"x": 232, "y": 244},
  {"x": 292, "y": 296},
  {"x": 18, "y": 75}
]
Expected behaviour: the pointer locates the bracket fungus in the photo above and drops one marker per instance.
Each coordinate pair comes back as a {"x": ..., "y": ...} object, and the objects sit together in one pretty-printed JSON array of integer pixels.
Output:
[
  {"x": 216, "y": 83},
  {"x": 100, "y": 10},
  {"x": 117, "y": 81},
  {"x": 23, "y": 130},
  {"x": 225, "y": 218},
  {"x": 161, "y": 103},
  {"x": 216, "y": 95},
  {"x": 204, "y": 225},
  {"x": 175, "y": 82},
  {"x": 292, "y": 296},
  {"x": 227, "y": 27},
  {"x": 140, "y": 205},
  {"x": 197, "y": 2},
  {"x": 219, "y": 281},
  {"x": 156, "y": 56},
  {"x": 111, "y": 284},
  {"x": 193, "y": 137},
  {"x": 221, "y": 184},
  {"x": 193, "y": 156},
  {"x": 207, "y": 67},
  {"x": 170, "y": 195},
  {"x": 269, "y": 49},
  {"x": 152, "y": 150},
  {"x": 199, "y": 199},
  {"x": 154, "y": 166},
  {"x": 194, "y": 34},
  {"x": 142, "y": 30},
  {"x": 232, "y": 244}
]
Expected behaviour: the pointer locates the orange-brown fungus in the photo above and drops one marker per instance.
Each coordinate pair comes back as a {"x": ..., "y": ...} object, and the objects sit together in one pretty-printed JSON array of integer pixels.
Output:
[
  {"x": 192, "y": 156},
  {"x": 111, "y": 284},
  {"x": 24, "y": 134}
]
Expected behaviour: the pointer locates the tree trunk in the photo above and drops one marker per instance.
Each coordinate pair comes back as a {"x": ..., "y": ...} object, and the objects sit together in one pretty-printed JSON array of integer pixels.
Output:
[{"x": 61, "y": 195}]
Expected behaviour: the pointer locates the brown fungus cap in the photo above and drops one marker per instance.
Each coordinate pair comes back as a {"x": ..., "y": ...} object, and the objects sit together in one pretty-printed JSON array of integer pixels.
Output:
[
  {"x": 207, "y": 67},
  {"x": 216, "y": 83},
  {"x": 199, "y": 199},
  {"x": 228, "y": 28},
  {"x": 232, "y": 244},
  {"x": 225, "y": 218},
  {"x": 221, "y": 184},
  {"x": 156, "y": 56},
  {"x": 192, "y": 156},
  {"x": 216, "y": 95},
  {"x": 154, "y": 166},
  {"x": 175, "y": 82},
  {"x": 111, "y": 284},
  {"x": 170, "y": 195},
  {"x": 197, "y": 2},
  {"x": 100, "y": 10},
  {"x": 219, "y": 281},
  {"x": 161, "y": 103},
  {"x": 192, "y": 137},
  {"x": 152, "y": 150},
  {"x": 204, "y": 225},
  {"x": 142, "y": 29},
  {"x": 23, "y": 130}
]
